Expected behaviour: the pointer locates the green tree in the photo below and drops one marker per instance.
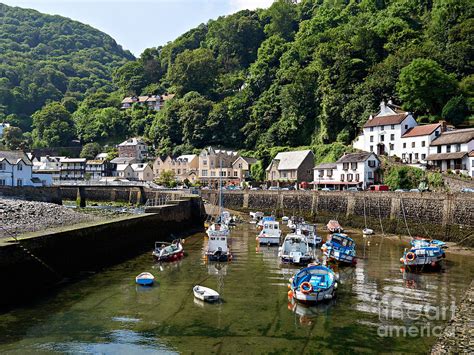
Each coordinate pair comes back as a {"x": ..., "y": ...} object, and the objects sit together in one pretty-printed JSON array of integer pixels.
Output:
[
  {"x": 424, "y": 86},
  {"x": 90, "y": 150},
  {"x": 167, "y": 178},
  {"x": 53, "y": 126},
  {"x": 257, "y": 171},
  {"x": 13, "y": 137},
  {"x": 455, "y": 110},
  {"x": 194, "y": 70}
]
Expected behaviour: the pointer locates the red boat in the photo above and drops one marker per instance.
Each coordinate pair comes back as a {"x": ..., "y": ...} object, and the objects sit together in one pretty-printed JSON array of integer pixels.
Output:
[
  {"x": 168, "y": 251},
  {"x": 334, "y": 227}
]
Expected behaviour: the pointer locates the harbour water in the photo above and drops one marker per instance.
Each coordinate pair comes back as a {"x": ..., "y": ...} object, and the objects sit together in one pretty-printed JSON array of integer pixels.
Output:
[{"x": 378, "y": 308}]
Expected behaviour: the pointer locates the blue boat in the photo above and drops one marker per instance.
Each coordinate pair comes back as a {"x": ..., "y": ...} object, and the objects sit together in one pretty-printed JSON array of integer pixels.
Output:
[
  {"x": 423, "y": 243},
  {"x": 314, "y": 283},
  {"x": 339, "y": 247},
  {"x": 145, "y": 279},
  {"x": 423, "y": 258}
]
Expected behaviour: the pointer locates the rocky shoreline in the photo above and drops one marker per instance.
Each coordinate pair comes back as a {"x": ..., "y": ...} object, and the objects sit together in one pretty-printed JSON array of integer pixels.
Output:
[
  {"x": 458, "y": 336},
  {"x": 20, "y": 216}
]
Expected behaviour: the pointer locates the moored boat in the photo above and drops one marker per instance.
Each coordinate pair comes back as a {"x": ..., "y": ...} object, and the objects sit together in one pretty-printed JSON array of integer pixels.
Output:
[
  {"x": 270, "y": 234},
  {"x": 262, "y": 221},
  {"x": 339, "y": 247},
  {"x": 217, "y": 229},
  {"x": 423, "y": 258},
  {"x": 218, "y": 248},
  {"x": 205, "y": 294},
  {"x": 295, "y": 250},
  {"x": 367, "y": 231},
  {"x": 168, "y": 251},
  {"x": 333, "y": 226},
  {"x": 419, "y": 242},
  {"x": 313, "y": 284},
  {"x": 309, "y": 232},
  {"x": 145, "y": 279}
]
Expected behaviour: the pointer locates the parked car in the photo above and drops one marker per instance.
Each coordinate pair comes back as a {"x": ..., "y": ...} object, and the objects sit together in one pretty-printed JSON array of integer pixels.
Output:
[
  {"x": 255, "y": 188},
  {"x": 327, "y": 189},
  {"x": 415, "y": 190},
  {"x": 273, "y": 188},
  {"x": 352, "y": 188},
  {"x": 401, "y": 190},
  {"x": 467, "y": 189}
]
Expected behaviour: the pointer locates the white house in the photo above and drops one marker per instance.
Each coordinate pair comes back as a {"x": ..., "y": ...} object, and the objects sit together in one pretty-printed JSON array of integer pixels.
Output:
[
  {"x": 453, "y": 150},
  {"x": 72, "y": 168},
  {"x": 353, "y": 169},
  {"x": 416, "y": 142},
  {"x": 382, "y": 133},
  {"x": 16, "y": 169},
  {"x": 48, "y": 165},
  {"x": 3, "y": 125},
  {"x": 124, "y": 171},
  {"x": 142, "y": 172}
]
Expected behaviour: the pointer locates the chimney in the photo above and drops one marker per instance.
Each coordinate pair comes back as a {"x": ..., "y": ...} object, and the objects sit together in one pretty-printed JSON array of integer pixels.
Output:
[
  {"x": 443, "y": 124},
  {"x": 382, "y": 107},
  {"x": 371, "y": 118}
]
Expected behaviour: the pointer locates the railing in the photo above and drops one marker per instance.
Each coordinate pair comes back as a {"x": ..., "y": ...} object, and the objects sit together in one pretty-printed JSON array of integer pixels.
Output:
[
  {"x": 101, "y": 183},
  {"x": 157, "y": 201}
]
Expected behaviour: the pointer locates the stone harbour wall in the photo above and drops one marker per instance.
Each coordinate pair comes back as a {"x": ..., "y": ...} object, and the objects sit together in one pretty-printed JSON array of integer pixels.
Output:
[{"x": 446, "y": 216}]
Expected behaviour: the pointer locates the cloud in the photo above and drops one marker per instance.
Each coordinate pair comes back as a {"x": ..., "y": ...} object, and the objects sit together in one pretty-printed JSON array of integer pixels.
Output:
[{"x": 249, "y": 4}]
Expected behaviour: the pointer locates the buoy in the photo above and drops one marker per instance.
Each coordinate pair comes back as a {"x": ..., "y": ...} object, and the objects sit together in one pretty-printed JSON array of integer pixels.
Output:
[
  {"x": 290, "y": 294},
  {"x": 402, "y": 260},
  {"x": 289, "y": 286},
  {"x": 433, "y": 264}
]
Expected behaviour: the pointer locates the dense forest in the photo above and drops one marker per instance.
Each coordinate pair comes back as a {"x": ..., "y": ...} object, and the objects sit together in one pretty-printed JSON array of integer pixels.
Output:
[
  {"x": 47, "y": 58},
  {"x": 295, "y": 74}
]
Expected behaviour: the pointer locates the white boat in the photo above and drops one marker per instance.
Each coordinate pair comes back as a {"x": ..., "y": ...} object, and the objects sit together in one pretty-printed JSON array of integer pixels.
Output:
[
  {"x": 333, "y": 226},
  {"x": 309, "y": 232},
  {"x": 218, "y": 248},
  {"x": 256, "y": 215},
  {"x": 270, "y": 234},
  {"x": 295, "y": 250},
  {"x": 168, "y": 251},
  {"x": 285, "y": 219},
  {"x": 145, "y": 279},
  {"x": 367, "y": 231},
  {"x": 205, "y": 294},
  {"x": 217, "y": 230}
]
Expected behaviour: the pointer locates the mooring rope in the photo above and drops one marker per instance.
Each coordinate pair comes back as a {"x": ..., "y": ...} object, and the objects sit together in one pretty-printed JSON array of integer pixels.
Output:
[{"x": 405, "y": 218}]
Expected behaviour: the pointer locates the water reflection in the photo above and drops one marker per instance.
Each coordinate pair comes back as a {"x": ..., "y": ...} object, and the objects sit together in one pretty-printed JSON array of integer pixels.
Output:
[{"x": 108, "y": 313}]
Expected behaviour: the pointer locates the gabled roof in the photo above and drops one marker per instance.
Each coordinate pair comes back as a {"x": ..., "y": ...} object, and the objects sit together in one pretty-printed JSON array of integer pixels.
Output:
[
  {"x": 386, "y": 120},
  {"x": 423, "y": 130},
  {"x": 132, "y": 141},
  {"x": 355, "y": 157},
  {"x": 249, "y": 160},
  {"x": 187, "y": 157},
  {"x": 471, "y": 154},
  {"x": 454, "y": 137},
  {"x": 123, "y": 160},
  {"x": 73, "y": 160},
  {"x": 323, "y": 166},
  {"x": 122, "y": 167},
  {"x": 290, "y": 160},
  {"x": 14, "y": 156},
  {"x": 139, "y": 166}
]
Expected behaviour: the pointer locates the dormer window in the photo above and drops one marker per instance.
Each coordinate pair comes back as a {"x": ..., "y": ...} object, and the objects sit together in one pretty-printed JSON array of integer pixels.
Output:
[{"x": 20, "y": 166}]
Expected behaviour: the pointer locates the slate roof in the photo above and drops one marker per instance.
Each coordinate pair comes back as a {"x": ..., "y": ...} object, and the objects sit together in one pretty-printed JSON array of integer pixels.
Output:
[
  {"x": 249, "y": 160},
  {"x": 454, "y": 137},
  {"x": 290, "y": 160},
  {"x": 421, "y": 130},
  {"x": 325, "y": 166},
  {"x": 355, "y": 157},
  {"x": 445, "y": 156},
  {"x": 14, "y": 156},
  {"x": 186, "y": 157},
  {"x": 386, "y": 120},
  {"x": 139, "y": 167},
  {"x": 132, "y": 141},
  {"x": 123, "y": 160}
]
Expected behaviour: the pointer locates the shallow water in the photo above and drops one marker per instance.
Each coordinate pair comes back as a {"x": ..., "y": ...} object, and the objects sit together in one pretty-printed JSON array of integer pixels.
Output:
[{"x": 108, "y": 313}]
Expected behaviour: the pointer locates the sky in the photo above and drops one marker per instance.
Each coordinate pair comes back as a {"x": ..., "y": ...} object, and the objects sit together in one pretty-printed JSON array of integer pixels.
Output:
[{"x": 140, "y": 24}]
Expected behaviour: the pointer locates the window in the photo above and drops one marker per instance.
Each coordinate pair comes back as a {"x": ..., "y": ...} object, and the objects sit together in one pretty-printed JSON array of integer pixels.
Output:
[
  {"x": 439, "y": 149},
  {"x": 19, "y": 182},
  {"x": 224, "y": 173},
  {"x": 406, "y": 126},
  {"x": 392, "y": 137},
  {"x": 391, "y": 146},
  {"x": 342, "y": 177},
  {"x": 19, "y": 166},
  {"x": 240, "y": 165},
  {"x": 235, "y": 173},
  {"x": 423, "y": 156},
  {"x": 204, "y": 162},
  {"x": 213, "y": 173},
  {"x": 184, "y": 171},
  {"x": 329, "y": 172},
  {"x": 392, "y": 126},
  {"x": 372, "y": 163},
  {"x": 413, "y": 144},
  {"x": 3, "y": 182},
  {"x": 354, "y": 166},
  {"x": 404, "y": 145},
  {"x": 437, "y": 134},
  {"x": 371, "y": 138},
  {"x": 284, "y": 174},
  {"x": 3, "y": 166},
  {"x": 382, "y": 128},
  {"x": 404, "y": 156},
  {"x": 416, "y": 156},
  {"x": 370, "y": 175},
  {"x": 473, "y": 163},
  {"x": 371, "y": 148},
  {"x": 423, "y": 143},
  {"x": 345, "y": 166},
  {"x": 448, "y": 149},
  {"x": 371, "y": 129},
  {"x": 321, "y": 173},
  {"x": 349, "y": 177},
  {"x": 458, "y": 147},
  {"x": 204, "y": 172},
  {"x": 357, "y": 177},
  {"x": 179, "y": 171},
  {"x": 382, "y": 138}
]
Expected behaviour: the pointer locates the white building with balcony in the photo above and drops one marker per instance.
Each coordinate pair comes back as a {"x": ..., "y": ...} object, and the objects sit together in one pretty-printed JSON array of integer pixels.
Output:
[
  {"x": 16, "y": 169},
  {"x": 416, "y": 143},
  {"x": 381, "y": 133},
  {"x": 453, "y": 150},
  {"x": 351, "y": 170},
  {"x": 73, "y": 168}
]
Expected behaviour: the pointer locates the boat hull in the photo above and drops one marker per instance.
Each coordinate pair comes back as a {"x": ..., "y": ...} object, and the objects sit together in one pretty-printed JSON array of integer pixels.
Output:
[
  {"x": 220, "y": 258},
  {"x": 269, "y": 240},
  {"x": 314, "y": 297},
  {"x": 286, "y": 259},
  {"x": 168, "y": 258}
]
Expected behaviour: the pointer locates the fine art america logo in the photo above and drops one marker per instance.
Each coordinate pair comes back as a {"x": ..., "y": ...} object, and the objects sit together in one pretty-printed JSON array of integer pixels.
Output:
[{"x": 426, "y": 321}]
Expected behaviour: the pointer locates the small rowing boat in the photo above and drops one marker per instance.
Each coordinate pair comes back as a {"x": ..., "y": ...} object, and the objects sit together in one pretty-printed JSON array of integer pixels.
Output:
[
  {"x": 367, "y": 231},
  {"x": 205, "y": 294},
  {"x": 333, "y": 226},
  {"x": 145, "y": 279},
  {"x": 168, "y": 251}
]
